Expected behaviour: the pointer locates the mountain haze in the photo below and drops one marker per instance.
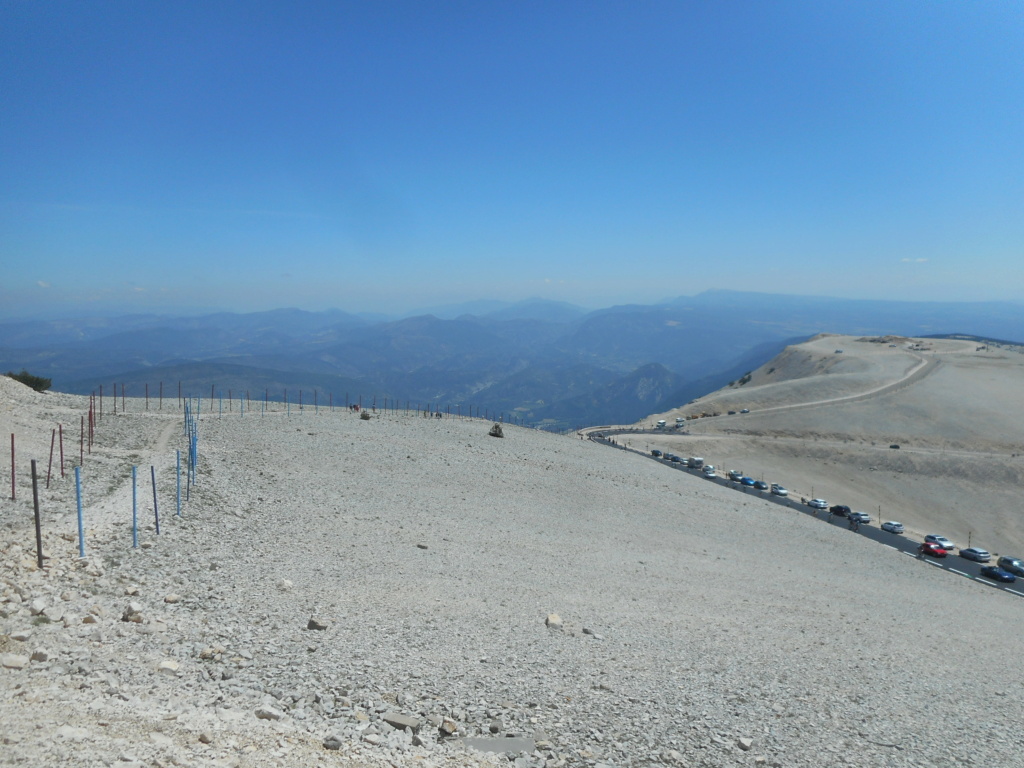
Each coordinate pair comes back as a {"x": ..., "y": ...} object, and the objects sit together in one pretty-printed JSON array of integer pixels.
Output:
[{"x": 538, "y": 362}]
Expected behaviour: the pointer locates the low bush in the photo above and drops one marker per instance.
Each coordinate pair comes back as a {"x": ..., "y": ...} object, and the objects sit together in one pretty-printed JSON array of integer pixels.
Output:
[{"x": 38, "y": 383}]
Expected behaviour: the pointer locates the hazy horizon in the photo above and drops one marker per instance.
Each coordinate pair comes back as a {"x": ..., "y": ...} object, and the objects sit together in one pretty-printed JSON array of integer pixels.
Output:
[{"x": 192, "y": 157}]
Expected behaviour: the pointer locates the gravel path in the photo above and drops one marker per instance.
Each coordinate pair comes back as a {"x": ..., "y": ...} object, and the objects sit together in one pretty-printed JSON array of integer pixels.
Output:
[{"x": 694, "y": 627}]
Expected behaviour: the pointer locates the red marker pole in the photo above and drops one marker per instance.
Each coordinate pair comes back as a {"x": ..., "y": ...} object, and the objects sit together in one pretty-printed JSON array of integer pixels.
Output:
[
  {"x": 13, "y": 493},
  {"x": 60, "y": 431},
  {"x": 101, "y": 401},
  {"x": 115, "y": 398},
  {"x": 39, "y": 527}
]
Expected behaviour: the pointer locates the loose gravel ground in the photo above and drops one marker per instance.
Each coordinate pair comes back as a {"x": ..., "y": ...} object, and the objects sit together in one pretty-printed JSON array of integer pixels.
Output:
[{"x": 695, "y": 626}]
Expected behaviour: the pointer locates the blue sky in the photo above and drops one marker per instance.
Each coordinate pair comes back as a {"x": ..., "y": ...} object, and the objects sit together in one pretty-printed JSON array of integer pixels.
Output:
[{"x": 176, "y": 156}]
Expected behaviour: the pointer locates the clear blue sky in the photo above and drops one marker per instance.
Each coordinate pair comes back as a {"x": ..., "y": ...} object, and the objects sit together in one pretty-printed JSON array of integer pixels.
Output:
[{"x": 378, "y": 156}]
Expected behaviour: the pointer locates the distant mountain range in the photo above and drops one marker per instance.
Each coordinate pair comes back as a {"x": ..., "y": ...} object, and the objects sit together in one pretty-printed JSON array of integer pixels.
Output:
[{"x": 544, "y": 363}]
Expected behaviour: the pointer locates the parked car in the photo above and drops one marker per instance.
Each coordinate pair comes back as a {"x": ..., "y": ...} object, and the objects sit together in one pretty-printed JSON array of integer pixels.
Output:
[
  {"x": 778, "y": 490},
  {"x": 942, "y": 541},
  {"x": 709, "y": 471},
  {"x": 1012, "y": 564},
  {"x": 973, "y": 553},
  {"x": 997, "y": 573},
  {"x": 732, "y": 413},
  {"x": 818, "y": 504},
  {"x": 931, "y": 548},
  {"x": 895, "y": 447},
  {"x": 761, "y": 485},
  {"x": 744, "y": 410},
  {"x": 747, "y": 481},
  {"x": 840, "y": 510},
  {"x": 735, "y": 475},
  {"x": 656, "y": 453},
  {"x": 892, "y": 526},
  {"x": 675, "y": 459},
  {"x": 860, "y": 517}
]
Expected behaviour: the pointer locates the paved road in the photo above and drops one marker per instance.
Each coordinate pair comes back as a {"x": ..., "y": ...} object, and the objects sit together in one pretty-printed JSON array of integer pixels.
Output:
[{"x": 901, "y": 544}]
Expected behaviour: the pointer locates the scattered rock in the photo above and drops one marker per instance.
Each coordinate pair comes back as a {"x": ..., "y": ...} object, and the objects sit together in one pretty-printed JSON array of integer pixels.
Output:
[
  {"x": 448, "y": 727},
  {"x": 21, "y": 635},
  {"x": 285, "y": 585},
  {"x": 132, "y": 613},
  {"x": 333, "y": 741},
  {"x": 744, "y": 743},
  {"x": 316, "y": 624},
  {"x": 13, "y": 661},
  {"x": 400, "y": 721},
  {"x": 268, "y": 713},
  {"x": 496, "y": 431},
  {"x": 172, "y": 598},
  {"x": 206, "y": 737},
  {"x": 500, "y": 745},
  {"x": 422, "y": 546},
  {"x": 553, "y": 621},
  {"x": 168, "y": 667},
  {"x": 40, "y": 654},
  {"x": 37, "y": 606}
]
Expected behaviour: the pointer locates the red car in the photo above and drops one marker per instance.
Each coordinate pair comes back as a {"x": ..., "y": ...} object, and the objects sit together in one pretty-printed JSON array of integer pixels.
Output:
[{"x": 931, "y": 548}]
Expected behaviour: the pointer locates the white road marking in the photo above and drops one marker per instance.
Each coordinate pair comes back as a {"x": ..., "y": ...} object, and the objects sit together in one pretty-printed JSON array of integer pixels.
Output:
[
  {"x": 983, "y": 581},
  {"x": 908, "y": 554},
  {"x": 932, "y": 562},
  {"x": 954, "y": 570},
  {"x": 890, "y": 546},
  {"x": 1015, "y": 592}
]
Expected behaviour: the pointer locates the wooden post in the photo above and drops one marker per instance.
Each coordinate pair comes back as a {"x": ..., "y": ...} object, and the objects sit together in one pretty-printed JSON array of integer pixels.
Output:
[
  {"x": 122, "y": 397},
  {"x": 147, "y": 395},
  {"x": 156, "y": 512},
  {"x": 13, "y": 491},
  {"x": 60, "y": 432},
  {"x": 53, "y": 438},
  {"x": 39, "y": 527}
]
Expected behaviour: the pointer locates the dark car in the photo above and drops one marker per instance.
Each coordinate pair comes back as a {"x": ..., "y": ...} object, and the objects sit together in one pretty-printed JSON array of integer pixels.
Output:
[
  {"x": 656, "y": 453},
  {"x": 839, "y": 509},
  {"x": 997, "y": 573},
  {"x": 735, "y": 475},
  {"x": 1012, "y": 564},
  {"x": 747, "y": 481},
  {"x": 761, "y": 485},
  {"x": 676, "y": 459}
]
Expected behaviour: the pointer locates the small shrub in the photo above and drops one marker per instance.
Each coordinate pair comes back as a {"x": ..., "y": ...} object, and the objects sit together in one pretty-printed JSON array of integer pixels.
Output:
[
  {"x": 38, "y": 383},
  {"x": 365, "y": 415}
]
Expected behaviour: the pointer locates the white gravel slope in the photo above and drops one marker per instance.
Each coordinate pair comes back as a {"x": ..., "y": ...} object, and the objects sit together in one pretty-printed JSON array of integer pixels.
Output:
[{"x": 710, "y": 617}]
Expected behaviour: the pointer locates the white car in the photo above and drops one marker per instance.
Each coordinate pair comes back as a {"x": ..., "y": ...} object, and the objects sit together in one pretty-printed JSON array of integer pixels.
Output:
[
  {"x": 818, "y": 504},
  {"x": 709, "y": 471},
  {"x": 892, "y": 526},
  {"x": 942, "y": 541},
  {"x": 778, "y": 490}
]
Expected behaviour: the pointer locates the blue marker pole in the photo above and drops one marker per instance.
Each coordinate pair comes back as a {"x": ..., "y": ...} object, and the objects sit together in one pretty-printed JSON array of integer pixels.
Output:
[
  {"x": 135, "y": 512},
  {"x": 177, "y": 477},
  {"x": 81, "y": 528}
]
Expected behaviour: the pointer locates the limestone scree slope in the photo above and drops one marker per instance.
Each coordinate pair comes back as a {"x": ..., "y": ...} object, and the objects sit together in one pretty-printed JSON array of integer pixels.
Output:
[{"x": 341, "y": 591}]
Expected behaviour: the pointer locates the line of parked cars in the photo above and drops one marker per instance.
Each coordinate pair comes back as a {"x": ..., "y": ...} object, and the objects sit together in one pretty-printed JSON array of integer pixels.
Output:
[{"x": 1006, "y": 569}]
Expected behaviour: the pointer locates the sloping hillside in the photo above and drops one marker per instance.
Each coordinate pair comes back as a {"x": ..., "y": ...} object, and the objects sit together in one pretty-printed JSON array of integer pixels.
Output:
[
  {"x": 824, "y": 420},
  {"x": 369, "y": 592}
]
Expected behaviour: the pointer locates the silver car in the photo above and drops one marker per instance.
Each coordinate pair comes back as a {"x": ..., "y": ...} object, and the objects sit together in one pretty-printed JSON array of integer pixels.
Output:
[
  {"x": 892, "y": 526},
  {"x": 942, "y": 541},
  {"x": 975, "y": 554}
]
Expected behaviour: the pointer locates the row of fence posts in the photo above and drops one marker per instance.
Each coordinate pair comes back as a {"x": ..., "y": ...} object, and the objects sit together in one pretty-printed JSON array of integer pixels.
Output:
[{"x": 191, "y": 426}]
